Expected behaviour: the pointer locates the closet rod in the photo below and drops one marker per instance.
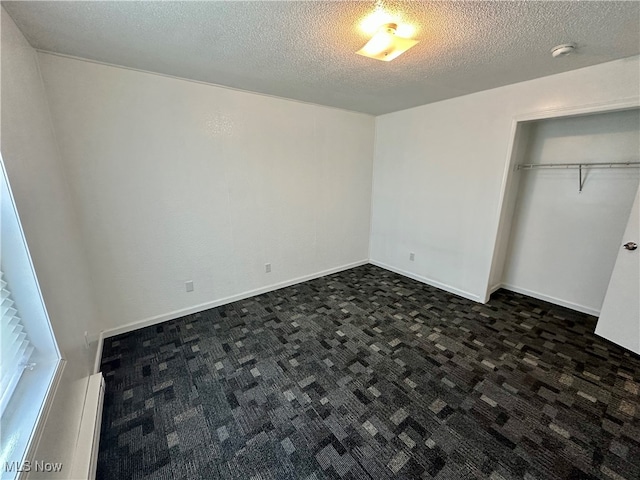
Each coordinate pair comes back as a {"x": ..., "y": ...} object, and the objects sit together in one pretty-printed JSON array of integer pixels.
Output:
[
  {"x": 579, "y": 166},
  {"x": 530, "y": 166}
]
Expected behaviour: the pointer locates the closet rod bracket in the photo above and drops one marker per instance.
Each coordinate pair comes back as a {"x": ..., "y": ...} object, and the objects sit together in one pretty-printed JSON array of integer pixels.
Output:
[{"x": 580, "y": 183}]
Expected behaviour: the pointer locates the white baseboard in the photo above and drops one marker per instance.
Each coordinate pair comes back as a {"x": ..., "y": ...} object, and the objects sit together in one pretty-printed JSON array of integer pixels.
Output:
[
  {"x": 85, "y": 458},
  {"x": 491, "y": 290},
  {"x": 429, "y": 281},
  {"x": 129, "y": 327},
  {"x": 547, "y": 298}
]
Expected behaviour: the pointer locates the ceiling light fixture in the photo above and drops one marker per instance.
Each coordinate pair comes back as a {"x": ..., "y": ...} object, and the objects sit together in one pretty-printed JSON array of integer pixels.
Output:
[
  {"x": 562, "y": 50},
  {"x": 386, "y": 45}
]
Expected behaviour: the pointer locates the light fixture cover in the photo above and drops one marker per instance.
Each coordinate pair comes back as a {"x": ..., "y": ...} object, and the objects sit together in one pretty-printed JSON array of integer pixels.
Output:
[
  {"x": 385, "y": 45},
  {"x": 562, "y": 50}
]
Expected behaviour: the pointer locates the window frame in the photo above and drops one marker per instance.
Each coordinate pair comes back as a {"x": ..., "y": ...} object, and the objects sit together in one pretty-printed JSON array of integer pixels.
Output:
[{"x": 23, "y": 419}]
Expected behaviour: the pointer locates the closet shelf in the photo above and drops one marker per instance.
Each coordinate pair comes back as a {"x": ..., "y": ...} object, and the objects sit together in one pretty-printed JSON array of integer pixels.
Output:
[{"x": 579, "y": 166}]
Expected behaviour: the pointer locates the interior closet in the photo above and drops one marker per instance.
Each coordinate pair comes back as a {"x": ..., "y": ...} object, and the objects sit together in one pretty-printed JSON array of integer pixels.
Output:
[{"x": 572, "y": 187}]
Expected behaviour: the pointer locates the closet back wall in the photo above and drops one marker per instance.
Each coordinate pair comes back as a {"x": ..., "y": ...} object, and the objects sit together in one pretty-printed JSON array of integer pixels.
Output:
[
  {"x": 178, "y": 180},
  {"x": 563, "y": 242}
]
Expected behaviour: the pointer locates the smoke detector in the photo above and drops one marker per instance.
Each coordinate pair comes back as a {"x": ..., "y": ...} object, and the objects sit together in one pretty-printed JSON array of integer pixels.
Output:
[{"x": 563, "y": 50}]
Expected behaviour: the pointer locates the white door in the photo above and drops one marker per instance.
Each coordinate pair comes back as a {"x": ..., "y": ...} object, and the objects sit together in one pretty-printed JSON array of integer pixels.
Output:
[{"x": 620, "y": 315}]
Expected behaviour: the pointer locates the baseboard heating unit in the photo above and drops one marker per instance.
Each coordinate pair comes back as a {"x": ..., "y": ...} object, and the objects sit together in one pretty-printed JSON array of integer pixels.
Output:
[{"x": 85, "y": 459}]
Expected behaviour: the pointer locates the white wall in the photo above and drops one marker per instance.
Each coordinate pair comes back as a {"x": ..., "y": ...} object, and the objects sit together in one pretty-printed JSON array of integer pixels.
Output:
[
  {"x": 438, "y": 171},
  {"x": 178, "y": 180},
  {"x": 33, "y": 166},
  {"x": 564, "y": 242}
]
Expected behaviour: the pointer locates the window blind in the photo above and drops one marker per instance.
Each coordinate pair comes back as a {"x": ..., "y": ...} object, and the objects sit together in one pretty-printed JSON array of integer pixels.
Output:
[{"x": 16, "y": 348}]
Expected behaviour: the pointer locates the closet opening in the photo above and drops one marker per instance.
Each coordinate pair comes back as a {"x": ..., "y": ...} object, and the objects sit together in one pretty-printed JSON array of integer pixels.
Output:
[{"x": 567, "y": 201}]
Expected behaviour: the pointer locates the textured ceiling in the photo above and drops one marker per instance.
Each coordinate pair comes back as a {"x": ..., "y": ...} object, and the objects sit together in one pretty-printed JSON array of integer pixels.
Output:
[{"x": 305, "y": 50}]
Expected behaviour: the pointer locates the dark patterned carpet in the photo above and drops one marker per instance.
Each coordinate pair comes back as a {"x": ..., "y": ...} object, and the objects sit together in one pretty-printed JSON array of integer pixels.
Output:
[{"x": 367, "y": 374}]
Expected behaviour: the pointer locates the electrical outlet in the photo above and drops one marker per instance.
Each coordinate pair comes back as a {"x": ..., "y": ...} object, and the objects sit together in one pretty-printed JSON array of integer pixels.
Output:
[
  {"x": 267, "y": 268},
  {"x": 412, "y": 256},
  {"x": 189, "y": 285}
]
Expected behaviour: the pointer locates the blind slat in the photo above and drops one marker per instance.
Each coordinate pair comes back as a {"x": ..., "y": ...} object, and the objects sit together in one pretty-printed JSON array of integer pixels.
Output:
[{"x": 16, "y": 348}]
